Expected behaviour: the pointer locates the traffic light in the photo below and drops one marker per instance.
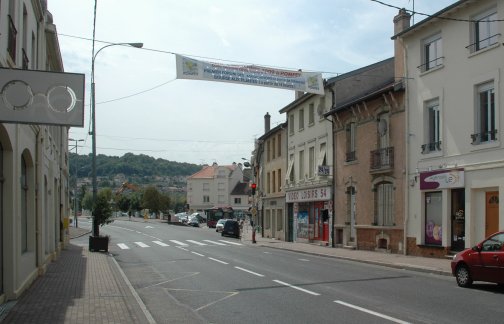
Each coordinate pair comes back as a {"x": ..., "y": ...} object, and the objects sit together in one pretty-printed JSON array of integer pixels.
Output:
[{"x": 253, "y": 186}]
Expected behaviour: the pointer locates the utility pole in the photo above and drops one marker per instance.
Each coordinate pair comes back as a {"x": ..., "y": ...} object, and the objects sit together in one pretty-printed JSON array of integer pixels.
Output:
[{"x": 76, "y": 176}]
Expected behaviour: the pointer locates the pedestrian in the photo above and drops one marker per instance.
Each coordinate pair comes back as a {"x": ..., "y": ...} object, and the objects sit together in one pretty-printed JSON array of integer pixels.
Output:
[{"x": 251, "y": 223}]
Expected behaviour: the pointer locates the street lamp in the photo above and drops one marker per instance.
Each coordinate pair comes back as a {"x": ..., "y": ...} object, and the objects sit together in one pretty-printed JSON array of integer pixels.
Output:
[
  {"x": 76, "y": 176},
  {"x": 93, "y": 123}
]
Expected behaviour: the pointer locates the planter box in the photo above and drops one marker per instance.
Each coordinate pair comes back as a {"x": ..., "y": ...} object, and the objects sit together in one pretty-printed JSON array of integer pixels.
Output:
[{"x": 98, "y": 243}]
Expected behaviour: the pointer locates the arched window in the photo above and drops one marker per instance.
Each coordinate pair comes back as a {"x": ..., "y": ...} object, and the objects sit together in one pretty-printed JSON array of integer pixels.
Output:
[
  {"x": 384, "y": 204},
  {"x": 24, "y": 206}
]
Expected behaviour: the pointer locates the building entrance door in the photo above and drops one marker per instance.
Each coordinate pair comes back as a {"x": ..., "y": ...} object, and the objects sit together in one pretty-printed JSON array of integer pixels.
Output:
[
  {"x": 458, "y": 219},
  {"x": 492, "y": 213}
]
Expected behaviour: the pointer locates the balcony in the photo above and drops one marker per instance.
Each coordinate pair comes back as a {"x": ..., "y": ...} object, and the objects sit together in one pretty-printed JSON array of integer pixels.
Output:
[
  {"x": 484, "y": 137},
  {"x": 431, "y": 147},
  {"x": 382, "y": 160},
  {"x": 432, "y": 64},
  {"x": 484, "y": 43}
]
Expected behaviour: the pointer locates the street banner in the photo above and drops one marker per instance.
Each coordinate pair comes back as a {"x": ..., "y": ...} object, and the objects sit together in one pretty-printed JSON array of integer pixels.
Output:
[
  {"x": 188, "y": 68},
  {"x": 41, "y": 97}
]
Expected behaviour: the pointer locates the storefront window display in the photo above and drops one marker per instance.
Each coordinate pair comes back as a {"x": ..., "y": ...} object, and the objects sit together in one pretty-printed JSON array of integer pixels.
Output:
[
  {"x": 302, "y": 221},
  {"x": 433, "y": 218}
]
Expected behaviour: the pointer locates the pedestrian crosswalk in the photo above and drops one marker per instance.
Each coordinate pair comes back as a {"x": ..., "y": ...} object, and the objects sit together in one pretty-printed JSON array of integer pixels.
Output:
[{"x": 127, "y": 246}]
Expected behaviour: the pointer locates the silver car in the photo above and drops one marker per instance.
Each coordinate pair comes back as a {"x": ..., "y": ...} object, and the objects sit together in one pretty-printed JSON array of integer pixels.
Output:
[{"x": 220, "y": 225}]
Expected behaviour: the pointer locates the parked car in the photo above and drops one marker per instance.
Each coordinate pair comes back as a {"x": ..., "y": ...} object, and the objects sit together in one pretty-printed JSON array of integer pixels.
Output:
[
  {"x": 483, "y": 262},
  {"x": 231, "y": 228},
  {"x": 182, "y": 217},
  {"x": 220, "y": 225},
  {"x": 200, "y": 218},
  {"x": 193, "y": 221}
]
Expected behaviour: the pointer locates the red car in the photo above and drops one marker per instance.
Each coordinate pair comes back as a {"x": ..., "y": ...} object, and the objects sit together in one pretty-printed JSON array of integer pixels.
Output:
[{"x": 484, "y": 262}]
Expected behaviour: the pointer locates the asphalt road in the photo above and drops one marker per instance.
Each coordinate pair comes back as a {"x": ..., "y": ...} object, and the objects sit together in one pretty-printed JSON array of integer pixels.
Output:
[{"x": 193, "y": 275}]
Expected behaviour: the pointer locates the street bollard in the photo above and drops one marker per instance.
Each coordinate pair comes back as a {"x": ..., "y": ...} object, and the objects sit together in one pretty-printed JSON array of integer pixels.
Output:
[{"x": 253, "y": 235}]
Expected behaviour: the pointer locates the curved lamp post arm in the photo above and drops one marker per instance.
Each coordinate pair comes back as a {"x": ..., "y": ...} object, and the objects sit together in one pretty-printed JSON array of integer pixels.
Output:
[{"x": 93, "y": 125}]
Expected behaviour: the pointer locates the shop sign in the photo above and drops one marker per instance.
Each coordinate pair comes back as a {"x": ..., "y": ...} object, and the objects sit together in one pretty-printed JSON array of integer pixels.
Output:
[
  {"x": 442, "y": 179},
  {"x": 323, "y": 170},
  {"x": 315, "y": 194}
]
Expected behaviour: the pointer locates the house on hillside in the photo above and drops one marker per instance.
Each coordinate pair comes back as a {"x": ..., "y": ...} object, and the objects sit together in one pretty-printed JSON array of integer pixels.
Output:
[
  {"x": 218, "y": 186},
  {"x": 453, "y": 74}
]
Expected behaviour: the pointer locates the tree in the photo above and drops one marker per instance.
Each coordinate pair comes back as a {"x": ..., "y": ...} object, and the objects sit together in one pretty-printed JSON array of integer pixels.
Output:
[
  {"x": 87, "y": 201},
  {"x": 151, "y": 199},
  {"x": 102, "y": 211},
  {"x": 165, "y": 202},
  {"x": 123, "y": 203}
]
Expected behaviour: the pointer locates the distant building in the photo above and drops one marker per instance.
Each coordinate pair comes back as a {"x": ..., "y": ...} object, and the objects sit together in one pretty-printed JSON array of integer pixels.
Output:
[{"x": 217, "y": 186}]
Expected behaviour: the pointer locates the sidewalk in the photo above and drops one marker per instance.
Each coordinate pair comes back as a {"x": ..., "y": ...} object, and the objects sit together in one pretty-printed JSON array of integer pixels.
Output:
[
  {"x": 398, "y": 261},
  {"x": 80, "y": 287}
]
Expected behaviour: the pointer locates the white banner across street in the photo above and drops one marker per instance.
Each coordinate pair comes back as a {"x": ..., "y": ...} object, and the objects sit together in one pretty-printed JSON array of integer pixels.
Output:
[{"x": 188, "y": 68}]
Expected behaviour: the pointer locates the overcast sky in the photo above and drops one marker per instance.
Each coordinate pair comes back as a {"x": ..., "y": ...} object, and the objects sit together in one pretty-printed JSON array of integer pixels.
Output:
[{"x": 141, "y": 107}]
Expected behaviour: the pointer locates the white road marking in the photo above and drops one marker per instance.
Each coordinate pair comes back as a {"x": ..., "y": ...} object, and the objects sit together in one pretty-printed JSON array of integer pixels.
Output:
[
  {"x": 149, "y": 226},
  {"x": 123, "y": 246},
  {"x": 213, "y": 242},
  {"x": 304, "y": 260},
  {"x": 230, "y": 242},
  {"x": 218, "y": 260},
  {"x": 298, "y": 288},
  {"x": 184, "y": 249},
  {"x": 392, "y": 319},
  {"x": 196, "y": 242},
  {"x": 141, "y": 244},
  {"x": 197, "y": 253},
  {"x": 179, "y": 243},
  {"x": 160, "y": 243},
  {"x": 251, "y": 272}
]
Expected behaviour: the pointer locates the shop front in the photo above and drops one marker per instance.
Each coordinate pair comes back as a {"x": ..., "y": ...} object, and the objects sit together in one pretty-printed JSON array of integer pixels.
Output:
[
  {"x": 309, "y": 211},
  {"x": 444, "y": 210}
]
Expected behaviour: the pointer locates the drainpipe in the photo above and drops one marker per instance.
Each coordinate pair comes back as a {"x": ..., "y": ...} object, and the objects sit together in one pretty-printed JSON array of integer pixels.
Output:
[
  {"x": 407, "y": 149},
  {"x": 333, "y": 214}
]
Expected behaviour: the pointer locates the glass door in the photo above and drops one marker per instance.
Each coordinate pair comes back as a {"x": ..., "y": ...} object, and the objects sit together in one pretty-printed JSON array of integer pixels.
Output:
[{"x": 458, "y": 219}]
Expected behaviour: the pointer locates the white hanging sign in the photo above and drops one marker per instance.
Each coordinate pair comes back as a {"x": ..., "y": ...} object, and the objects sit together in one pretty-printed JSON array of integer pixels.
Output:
[{"x": 188, "y": 68}]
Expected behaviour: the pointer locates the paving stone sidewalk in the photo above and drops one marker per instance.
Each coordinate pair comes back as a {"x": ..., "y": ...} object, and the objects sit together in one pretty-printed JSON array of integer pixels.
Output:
[{"x": 79, "y": 287}]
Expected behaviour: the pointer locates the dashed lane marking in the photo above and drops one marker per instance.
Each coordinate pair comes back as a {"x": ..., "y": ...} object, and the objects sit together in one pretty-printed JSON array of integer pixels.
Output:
[
  {"x": 297, "y": 288},
  {"x": 392, "y": 319}
]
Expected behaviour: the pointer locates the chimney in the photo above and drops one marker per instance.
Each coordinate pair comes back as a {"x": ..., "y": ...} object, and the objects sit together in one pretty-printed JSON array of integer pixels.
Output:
[
  {"x": 401, "y": 23},
  {"x": 267, "y": 123}
]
